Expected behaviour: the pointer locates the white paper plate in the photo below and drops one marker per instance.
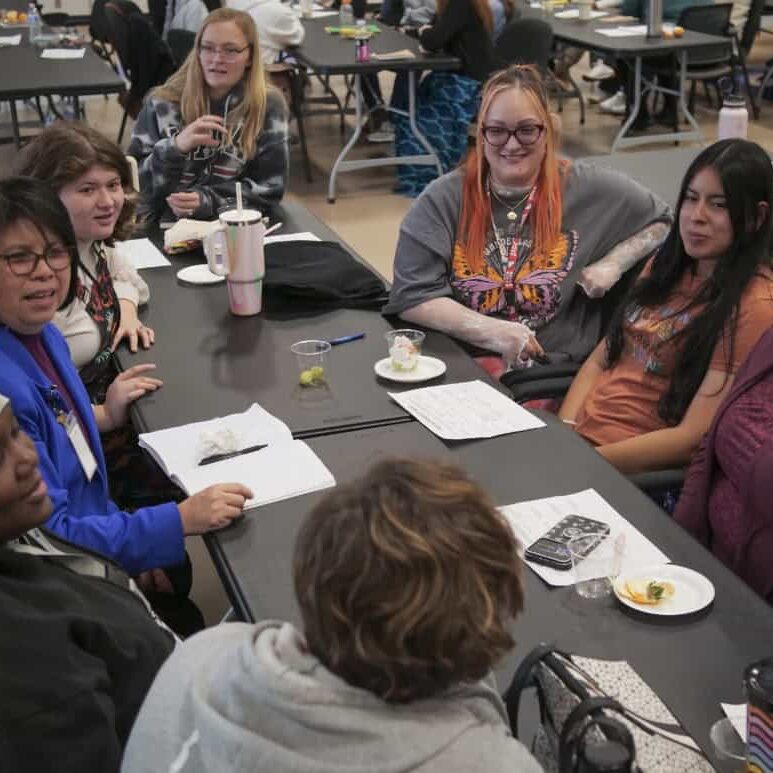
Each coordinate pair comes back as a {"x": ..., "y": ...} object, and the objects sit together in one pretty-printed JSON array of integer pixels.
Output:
[
  {"x": 692, "y": 593},
  {"x": 199, "y": 274},
  {"x": 426, "y": 368}
]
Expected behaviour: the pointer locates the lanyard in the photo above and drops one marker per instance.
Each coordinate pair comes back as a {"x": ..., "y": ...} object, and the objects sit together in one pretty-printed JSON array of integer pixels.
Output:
[{"x": 512, "y": 265}]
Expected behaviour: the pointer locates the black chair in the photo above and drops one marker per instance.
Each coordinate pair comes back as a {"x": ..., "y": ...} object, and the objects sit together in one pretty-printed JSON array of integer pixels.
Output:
[
  {"x": 712, "y": 64},
  {"x": 289, "y": 80},
  {"x": 120, "y": 30},
  {"x": 180, "y": 43}
]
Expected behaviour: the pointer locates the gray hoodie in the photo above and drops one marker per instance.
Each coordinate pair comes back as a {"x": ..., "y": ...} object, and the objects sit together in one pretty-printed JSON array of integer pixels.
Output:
[{"x": 242, "y": 698}]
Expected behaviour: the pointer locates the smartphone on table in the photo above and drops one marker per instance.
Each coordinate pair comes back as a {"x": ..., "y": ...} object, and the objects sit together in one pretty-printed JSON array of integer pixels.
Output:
[{"x": 552, "y": 548}]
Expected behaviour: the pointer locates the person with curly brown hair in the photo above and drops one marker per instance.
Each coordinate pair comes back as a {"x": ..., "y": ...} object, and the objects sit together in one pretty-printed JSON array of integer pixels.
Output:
[{"x": 407, "y": 580}]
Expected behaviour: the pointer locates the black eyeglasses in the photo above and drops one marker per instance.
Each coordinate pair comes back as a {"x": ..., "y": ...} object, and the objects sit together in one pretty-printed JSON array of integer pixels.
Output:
[
  {"x": 526, "y": 134},
  {"x": 229, "y": 53},
  {"x": 24, "y": 262}
]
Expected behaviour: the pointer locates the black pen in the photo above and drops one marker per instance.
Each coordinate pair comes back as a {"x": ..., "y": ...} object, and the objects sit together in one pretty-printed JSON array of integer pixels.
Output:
[{"x": 231, "y": 454}]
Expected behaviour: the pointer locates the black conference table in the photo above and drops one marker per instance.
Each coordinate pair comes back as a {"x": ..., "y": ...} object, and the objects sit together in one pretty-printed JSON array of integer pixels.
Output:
[
  {"x": 24, "y": 75},
  {"x": 328, "y": 54},
  {"x": 692, "y": 662},
  {"x": 585, "y": 34},
  {"x": 214, "y": 363}
]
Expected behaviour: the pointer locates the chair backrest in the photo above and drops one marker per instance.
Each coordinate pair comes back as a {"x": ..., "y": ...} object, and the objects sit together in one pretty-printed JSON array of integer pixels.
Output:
[
  {"x": 711, "y": 20},
  {"x": 525, "y": 41},
  {"x": 135, "y": 172},
  {"x": 181, "y": 42}
]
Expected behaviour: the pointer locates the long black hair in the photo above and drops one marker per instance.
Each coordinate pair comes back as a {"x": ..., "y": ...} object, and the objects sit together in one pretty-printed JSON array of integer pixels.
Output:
[
  {"x": 746, "y": 174},
  {"x": 24, "y": 198}
]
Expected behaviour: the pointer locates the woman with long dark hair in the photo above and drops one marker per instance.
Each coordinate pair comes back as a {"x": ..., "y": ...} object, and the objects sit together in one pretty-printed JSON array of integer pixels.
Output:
[{"x": 649, "y": 391}]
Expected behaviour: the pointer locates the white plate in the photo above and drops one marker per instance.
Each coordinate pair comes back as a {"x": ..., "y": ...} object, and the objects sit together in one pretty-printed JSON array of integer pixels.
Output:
[
  {"x": 692, "y": 593},
  {"x": 199, "y": 274},
  {"x": 426, "y": 368}
]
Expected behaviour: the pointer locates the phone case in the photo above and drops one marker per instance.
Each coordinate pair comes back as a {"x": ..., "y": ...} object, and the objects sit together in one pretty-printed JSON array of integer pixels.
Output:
[
  {"x": 574, "y": 526},
  {"x": 550, "y": 548}
]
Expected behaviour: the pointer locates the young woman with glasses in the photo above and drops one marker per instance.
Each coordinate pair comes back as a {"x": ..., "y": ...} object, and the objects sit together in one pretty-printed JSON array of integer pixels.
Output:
[
  {"x": 215, "y": 122},
  {"x": 492, "y": 253}
]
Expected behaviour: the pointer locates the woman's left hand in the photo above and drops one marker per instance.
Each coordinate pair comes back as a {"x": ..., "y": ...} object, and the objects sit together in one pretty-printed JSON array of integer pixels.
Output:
[
  {"x": 124, "y": 390},
  {"x": 184, "y": 203},
  {"x": 132, "y": 329}
]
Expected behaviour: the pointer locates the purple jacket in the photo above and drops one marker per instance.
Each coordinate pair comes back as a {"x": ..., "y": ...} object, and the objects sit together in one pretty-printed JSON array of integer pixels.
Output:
[{"x": 753, "y": 557}]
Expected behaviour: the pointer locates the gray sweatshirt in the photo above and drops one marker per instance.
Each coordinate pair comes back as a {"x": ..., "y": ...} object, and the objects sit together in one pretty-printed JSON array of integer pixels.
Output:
[{"x": 242, "y": 698}]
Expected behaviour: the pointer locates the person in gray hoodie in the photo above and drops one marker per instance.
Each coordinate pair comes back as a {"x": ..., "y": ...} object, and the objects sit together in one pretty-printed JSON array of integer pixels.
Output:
[{"x": 407, "y": 581}]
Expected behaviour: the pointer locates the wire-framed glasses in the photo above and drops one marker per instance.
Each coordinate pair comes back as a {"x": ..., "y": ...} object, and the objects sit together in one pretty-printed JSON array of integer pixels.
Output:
[
  {"x": 526, "y": 134},
  {"x": 24, "y": 262},
  {"x": 229, "y": 53}
]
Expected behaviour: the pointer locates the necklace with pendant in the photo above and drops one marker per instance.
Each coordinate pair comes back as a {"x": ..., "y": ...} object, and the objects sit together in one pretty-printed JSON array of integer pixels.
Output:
[{"x": 512, "y": 209}]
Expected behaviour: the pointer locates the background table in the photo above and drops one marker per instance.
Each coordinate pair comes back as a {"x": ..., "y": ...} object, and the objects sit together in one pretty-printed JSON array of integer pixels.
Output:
[
  {"x": 328, "y": 54},
  {"x": 24, "y": 75},
  {"x": 584, "y": 34},
  {"x": 214, "y": 363},
  {"x": 692, "y": 662}
]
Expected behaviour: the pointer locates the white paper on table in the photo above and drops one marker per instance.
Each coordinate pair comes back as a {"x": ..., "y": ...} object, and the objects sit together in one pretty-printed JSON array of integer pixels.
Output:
[
  {"x": 530, "y": 520},
  {"x": 142, "y": 253},
  {"x": 574, "y": 13},
  {"x": 736, "y": 713},
  {"x": 63, "y": 53},
  {"x": 303, "y": 236},
  {"x": 285, "y": 468},
  {"x": 632, "y": 31},
  {"x": 10, "y": 40},
  {"x": 471, "y": 409}
]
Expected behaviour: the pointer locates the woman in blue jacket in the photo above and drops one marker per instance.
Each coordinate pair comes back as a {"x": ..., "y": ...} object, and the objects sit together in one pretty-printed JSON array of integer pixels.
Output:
[{"x": 38, "y": 265}]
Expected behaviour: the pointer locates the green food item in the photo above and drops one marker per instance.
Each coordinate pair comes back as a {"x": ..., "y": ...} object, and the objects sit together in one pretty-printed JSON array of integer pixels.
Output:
[
  {"x": 655, "y": 590},
  {"x": 312, "y": 376}
]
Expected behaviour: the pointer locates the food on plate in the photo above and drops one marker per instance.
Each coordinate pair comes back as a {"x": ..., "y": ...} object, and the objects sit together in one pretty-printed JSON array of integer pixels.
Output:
[
  {"x": 185, "y": 245},
  {"x": 647, "y": 590}
]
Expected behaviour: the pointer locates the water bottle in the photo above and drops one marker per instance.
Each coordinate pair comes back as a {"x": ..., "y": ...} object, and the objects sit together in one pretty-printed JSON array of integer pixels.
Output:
[
  {"x": 655, "y": 18},
  {"x": 34, "y": 22},
  {"x": 362, "y": 50},
  {"x": 346, "y": 14},
  {"x": 733, "y": 118}
]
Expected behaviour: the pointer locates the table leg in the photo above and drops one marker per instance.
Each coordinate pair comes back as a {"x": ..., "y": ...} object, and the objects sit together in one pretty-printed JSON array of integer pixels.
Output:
[
  {"x": 695, "y": 133},
  {"x": 331, "y": 186},
  {"x": 682, "y": 100},
  {"x": 15, "y": 123},
  {"x": 430, "y": 158},
  {"x": 634, "y": 108},
  {"x": 414, "y": 126}
]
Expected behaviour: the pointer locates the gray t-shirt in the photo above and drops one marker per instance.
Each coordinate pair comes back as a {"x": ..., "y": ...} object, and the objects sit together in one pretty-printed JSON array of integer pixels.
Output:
[{"x": 601, "y": 207}]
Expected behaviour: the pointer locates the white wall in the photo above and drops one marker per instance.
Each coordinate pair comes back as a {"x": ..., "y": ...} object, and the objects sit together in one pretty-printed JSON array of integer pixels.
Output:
[{"x": 79, "y": 7}]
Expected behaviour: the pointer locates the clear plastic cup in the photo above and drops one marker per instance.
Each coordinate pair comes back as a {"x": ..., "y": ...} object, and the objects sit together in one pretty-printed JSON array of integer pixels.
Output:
[
  {"x": 595, "y": 563},
  {"x": 312, "y": 359},
  {"x": 404, "y": 348},
  {"x": 729, "y": 748}
]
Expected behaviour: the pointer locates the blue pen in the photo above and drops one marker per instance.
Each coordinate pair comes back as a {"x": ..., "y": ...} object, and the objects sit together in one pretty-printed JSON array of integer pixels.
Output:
[{"x": 346, "y": 339}]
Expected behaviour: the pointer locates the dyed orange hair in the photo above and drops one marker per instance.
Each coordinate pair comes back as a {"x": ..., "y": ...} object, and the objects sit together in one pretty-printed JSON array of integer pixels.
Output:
[{"x": 476, "y": 206}]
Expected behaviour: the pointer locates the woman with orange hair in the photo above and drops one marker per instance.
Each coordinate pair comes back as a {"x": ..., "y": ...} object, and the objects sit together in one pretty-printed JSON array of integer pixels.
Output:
[{"x": 492, "y": 253}]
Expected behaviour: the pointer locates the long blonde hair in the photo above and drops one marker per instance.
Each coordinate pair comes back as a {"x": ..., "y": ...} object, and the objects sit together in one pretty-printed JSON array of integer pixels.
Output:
[{"x": 188, "y": 88}]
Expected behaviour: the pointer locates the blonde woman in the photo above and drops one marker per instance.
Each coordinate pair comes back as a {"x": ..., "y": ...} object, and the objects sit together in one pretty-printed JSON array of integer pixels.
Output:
[{"x": 213, "y": 123}]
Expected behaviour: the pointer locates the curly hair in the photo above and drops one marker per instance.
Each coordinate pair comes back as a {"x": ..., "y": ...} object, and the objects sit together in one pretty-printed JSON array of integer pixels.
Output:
[
  {"x": 407, "y": 580},
  {"x": 65, "y": 151}
]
